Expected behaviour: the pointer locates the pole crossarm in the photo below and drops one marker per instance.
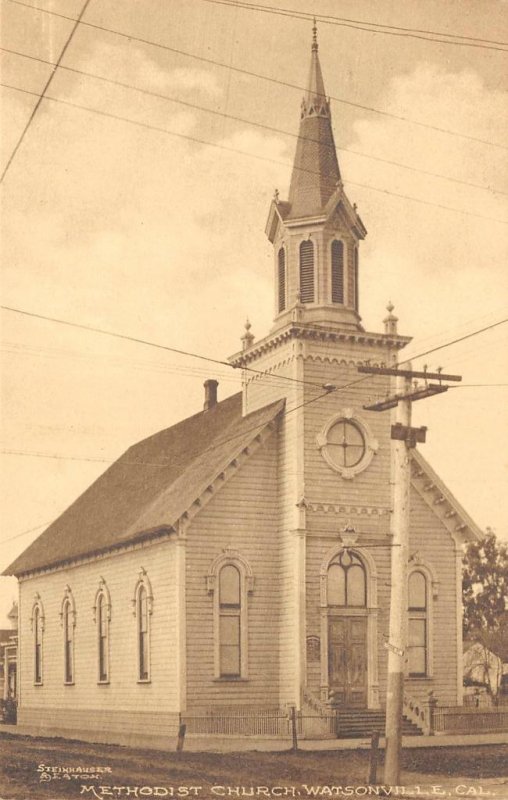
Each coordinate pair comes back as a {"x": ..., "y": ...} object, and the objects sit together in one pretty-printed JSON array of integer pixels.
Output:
[
  {"x": 408, "y": 373},
  {"x": 416, "y": 394}
]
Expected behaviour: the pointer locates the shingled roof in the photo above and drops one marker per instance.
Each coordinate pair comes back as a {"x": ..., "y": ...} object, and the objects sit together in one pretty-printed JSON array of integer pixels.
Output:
[
  {"x": 316, "y": 172},
  {"x": 150, "y": 487}
]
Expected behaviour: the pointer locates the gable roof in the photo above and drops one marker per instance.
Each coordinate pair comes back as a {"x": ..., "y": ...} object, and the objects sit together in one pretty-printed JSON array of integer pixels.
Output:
[
  {"x": 150, "y": 487},
  {"x": 442, "y": 502}
]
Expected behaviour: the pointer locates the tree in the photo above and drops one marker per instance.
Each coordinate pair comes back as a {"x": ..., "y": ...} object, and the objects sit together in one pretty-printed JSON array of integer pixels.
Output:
[
  {"x": 484, "y": 596},
  {"x": 484, "y": 585}
]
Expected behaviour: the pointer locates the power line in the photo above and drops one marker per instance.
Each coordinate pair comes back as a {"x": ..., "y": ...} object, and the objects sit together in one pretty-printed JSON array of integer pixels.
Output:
[
  {"x": 228, "y": 148},
  {"x": 410, "y": 30},
  {"x": 330, "y": 391},
  {"x": 260, "y": 76},
  {"x": 251, "y": 122},
  {"x": 24, "y": 533},
  {"x": 455, "y": 341},
  {"x": 128, "y": 338},
  {"x": 477, "y": 385},
  {"x": 46, "y": 86},
  {"x": 101, "y": 460},
  {"x": 358, "y": 25}
]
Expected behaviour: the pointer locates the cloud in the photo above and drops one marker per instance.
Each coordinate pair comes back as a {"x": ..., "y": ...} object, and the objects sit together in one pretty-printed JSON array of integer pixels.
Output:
[{"x": 429, "y": 245}]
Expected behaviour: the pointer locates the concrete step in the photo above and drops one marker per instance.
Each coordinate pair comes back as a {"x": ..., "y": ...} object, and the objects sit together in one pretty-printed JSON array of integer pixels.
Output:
[{"x": 361, "y": 723}]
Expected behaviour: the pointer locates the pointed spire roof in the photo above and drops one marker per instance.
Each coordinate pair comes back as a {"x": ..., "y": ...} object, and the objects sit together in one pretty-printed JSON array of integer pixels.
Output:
[{"x": 316, "y": 169}]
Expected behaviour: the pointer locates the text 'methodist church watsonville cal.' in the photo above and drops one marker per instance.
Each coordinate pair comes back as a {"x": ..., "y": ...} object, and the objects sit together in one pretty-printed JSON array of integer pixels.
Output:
[{"x": 241, "y": 558}]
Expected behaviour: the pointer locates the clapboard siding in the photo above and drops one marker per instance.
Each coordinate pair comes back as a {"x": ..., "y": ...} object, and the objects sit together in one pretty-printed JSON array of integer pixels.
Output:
[
  {"x": 322, "y": 482},
  {"x": 243, "y": 516},
  {"x": 123, "y": 692},
  {"x": 70, "y": 721},
  {"x": 436, "y": 546}
]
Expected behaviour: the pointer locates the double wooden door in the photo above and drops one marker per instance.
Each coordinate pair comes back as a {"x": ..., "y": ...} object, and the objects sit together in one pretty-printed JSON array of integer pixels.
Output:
[{"x": 347, "y": 660}]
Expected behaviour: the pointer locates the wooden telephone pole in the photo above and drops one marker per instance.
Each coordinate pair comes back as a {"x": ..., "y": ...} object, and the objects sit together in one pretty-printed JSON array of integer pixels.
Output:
[{"x": 404, "y": 438}]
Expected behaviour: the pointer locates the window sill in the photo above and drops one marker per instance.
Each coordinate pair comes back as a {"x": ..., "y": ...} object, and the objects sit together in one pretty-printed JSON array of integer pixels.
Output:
[
  {"x": 231, "y": 679},
  {"x": 103, "y": 683},
  {"x": 420, "y": 677},
  {"x": 38, "y": 683},
  {"x": 144, "y": 680},
  {"x": 68, "y": 683}
]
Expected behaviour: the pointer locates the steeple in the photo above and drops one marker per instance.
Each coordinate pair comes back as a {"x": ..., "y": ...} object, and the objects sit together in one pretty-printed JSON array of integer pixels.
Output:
[
  {"x": 316, "y": 232},
  {"x": 316, "y": 171}
]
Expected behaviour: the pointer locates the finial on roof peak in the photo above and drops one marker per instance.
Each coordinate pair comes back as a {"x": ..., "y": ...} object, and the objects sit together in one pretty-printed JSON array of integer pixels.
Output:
[
  {"x": 391, "y": 320},
  {"x": 247, "y": 337},
  {"x": 314, "y": 35}
]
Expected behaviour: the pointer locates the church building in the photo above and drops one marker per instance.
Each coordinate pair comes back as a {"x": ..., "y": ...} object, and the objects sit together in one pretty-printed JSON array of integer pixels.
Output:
[{"x": 239, "y": 561}]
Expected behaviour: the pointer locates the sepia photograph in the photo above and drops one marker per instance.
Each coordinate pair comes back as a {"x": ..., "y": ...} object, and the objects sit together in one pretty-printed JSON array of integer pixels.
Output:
[{"x": 254, "y": 380}]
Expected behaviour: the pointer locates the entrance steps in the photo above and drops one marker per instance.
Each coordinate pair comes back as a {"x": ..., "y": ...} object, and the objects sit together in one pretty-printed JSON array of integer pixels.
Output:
[{"x": 361, "y": 723}]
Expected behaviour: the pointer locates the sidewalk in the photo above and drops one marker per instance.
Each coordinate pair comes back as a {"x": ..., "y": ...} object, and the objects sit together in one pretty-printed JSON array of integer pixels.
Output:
[{"x": 233, "y": 744}]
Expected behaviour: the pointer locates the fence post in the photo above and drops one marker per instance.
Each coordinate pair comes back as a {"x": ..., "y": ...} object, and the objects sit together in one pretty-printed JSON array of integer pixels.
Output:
[
  {"x": 374, "y": 753},
  {"x": 181, "y": 738},
  {"x": 432, "y": 706},
  {"x": 294, "y": 735}
]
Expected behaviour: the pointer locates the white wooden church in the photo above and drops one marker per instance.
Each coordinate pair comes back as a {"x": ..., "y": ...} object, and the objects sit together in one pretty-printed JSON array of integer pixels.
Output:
[{"x": 241, "y": 558}]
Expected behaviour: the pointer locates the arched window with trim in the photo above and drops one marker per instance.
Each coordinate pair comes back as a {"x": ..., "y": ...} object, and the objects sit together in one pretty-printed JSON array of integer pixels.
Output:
[
  {"x": 38, "y": 630},
  {"x": 143, "y": 652},
  {"x": 143, "y": 607},
  {"x": 230, "y": 581},
  {"x": 337, "y": 271},
  {"x": 68, "y": 629},
  {"x": 307, "y": 272},
  {"x": 102, "y": 616},
  {"x": 230, "y": 607},
  {"x": 417, "y": 650},
  {"x": 346, "y": 581},
  {"x": 281, "y": 274},
  {"x": 102, "y": 638}
]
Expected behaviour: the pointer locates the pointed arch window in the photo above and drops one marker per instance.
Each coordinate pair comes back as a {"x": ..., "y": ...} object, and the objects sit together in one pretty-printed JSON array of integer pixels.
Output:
[
  {"x": 230, "y": 581},
  {"x": 418, "y": 608},
  {"x": 281, "y": 275},
  {"x": 38, "y": 630},
  {"x": 102, "y": 616},
  {"x": 143, "y": 607},
  {"x": 68, "y": 620},
  {"x": 337, "y": 271},
  {"x": 307, "y": 272},
  {"x": 346, "y": 581}
]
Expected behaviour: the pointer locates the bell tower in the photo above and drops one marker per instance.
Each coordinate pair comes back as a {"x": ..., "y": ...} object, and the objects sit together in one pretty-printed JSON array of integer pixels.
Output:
[
  {"x": 316, "y": 232},
  {"x": 333, "y": 454}
]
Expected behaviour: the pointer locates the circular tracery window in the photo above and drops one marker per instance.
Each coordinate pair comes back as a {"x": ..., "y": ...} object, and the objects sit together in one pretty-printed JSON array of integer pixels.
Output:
[{"x": 347, "y": 444}]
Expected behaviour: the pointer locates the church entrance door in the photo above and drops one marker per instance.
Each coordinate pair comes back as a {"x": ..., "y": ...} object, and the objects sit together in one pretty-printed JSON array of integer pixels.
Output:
[{"x": 347, "y": 660}]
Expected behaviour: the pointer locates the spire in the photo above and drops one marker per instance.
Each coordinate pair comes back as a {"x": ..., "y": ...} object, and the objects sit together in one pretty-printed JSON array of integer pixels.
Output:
[{"x": 316, "y": 170}]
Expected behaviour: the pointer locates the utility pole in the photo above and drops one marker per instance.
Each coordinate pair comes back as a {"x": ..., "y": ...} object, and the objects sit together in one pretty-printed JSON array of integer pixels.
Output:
[{"x": 404, "y": 438}]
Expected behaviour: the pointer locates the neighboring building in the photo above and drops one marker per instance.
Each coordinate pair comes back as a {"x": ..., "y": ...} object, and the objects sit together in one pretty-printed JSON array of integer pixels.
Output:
[
  {"x": 8, "y": 655},
  {"x": 241, "y": 558}
]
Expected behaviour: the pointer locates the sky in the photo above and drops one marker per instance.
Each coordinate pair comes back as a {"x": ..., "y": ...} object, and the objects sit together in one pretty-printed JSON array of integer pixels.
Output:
[{"x": 154, "y": 227}]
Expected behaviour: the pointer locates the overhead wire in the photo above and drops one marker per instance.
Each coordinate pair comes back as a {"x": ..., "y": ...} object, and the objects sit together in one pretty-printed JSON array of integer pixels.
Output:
[
  {"x": 248, "y": 154},
  {"x": 253, "y": 123},
  {"x": 116, "y": 335},
  {"x": 331, "y": 390},
  {"x": 42, "y": 94},
  {"x": 255, "y": 428},
  {"x": 356, "y": 25},
  {"x": 132, "y": 38}
]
